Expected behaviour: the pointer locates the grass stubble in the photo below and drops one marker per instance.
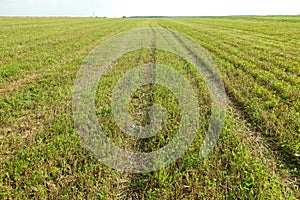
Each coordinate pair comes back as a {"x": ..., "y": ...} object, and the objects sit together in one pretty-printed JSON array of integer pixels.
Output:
[{"x": 41, "y": 154}]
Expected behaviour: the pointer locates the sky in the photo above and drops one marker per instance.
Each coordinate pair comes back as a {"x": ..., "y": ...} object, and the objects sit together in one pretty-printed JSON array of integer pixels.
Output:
[{"x": 119, "y": 8}]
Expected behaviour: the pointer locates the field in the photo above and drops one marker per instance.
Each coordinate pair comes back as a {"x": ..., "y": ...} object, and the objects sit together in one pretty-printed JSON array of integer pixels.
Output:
[{"x": 256, "y": 157}]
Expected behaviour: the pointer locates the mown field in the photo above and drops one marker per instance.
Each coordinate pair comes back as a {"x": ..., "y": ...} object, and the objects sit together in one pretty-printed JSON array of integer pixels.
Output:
[{"x": 256, "y": 157}]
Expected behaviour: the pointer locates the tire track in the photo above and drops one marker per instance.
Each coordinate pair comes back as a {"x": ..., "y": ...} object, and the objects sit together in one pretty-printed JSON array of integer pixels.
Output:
[{"x": 282, "y": 157}]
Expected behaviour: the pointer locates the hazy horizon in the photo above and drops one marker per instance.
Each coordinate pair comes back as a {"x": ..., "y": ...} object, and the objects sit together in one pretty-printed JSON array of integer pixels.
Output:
[{"x": 118, "y": 8}]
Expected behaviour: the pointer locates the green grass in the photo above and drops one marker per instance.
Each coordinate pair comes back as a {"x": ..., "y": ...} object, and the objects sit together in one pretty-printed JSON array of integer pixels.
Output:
[{"x": 41, "y": 155}]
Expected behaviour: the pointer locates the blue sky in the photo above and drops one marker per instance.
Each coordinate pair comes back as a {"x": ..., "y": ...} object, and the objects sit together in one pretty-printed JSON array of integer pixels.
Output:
[{"x": 118, "y": 8}]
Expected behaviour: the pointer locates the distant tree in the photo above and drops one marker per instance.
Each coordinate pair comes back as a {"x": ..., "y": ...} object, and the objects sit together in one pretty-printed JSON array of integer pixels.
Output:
[{"x": 124, "y": 17}]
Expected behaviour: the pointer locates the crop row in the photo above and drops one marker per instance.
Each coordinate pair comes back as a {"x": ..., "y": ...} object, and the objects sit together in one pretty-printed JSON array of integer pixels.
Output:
[{"x": 268, "y": 93}]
